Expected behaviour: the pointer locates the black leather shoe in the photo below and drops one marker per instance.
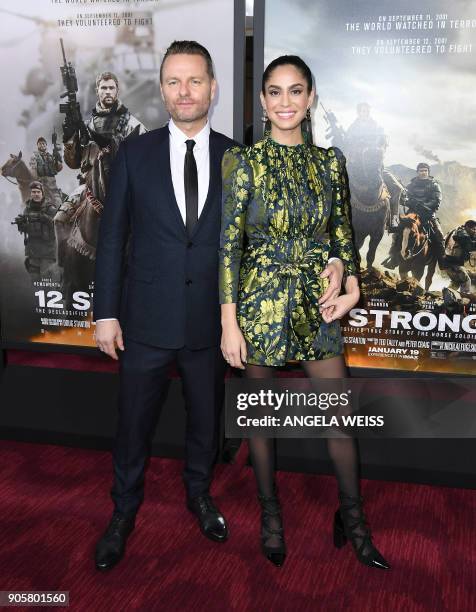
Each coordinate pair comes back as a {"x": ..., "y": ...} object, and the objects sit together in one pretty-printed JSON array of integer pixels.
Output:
[
  {"x": 110, "y": 548},
  {"x": 211, "y": 521}
]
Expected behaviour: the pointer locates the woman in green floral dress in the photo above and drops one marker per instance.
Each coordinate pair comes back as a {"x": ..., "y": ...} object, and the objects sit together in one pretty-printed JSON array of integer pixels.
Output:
[{"x": 286, "y": 215}]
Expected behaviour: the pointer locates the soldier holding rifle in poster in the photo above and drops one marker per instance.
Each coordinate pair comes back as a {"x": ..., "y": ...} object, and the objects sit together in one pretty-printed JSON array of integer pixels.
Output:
[
  {"x": 423, "y": 197},
  {"x": 109, "y": 120},
  {"x": 36, "y": 225},
  {"x": 86, "y": 147}
]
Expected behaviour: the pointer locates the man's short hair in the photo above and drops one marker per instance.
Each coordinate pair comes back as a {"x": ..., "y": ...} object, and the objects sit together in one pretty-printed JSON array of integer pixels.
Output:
[
  {"x": 36, "y": 185},
  {"x": 190, "y": 47},
  {"x": 470, "y": 223},
  {"x": 423, "y": 165},
  {"x": 41, "y": 139},
  {"x": 106, "y": 76}
]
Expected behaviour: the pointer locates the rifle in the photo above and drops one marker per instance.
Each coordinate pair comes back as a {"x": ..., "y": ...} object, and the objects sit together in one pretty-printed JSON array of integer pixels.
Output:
[
  {"x": 32, "y": 223},
  {"x": 21, "y": 221},
  {"x": 71, "y": 108},
  {"x": 56, "y": 149},
  {"x": 334, "y": 129}
]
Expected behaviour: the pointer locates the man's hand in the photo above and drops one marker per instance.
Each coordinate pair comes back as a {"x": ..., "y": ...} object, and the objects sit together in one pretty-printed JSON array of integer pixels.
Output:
[
  {"x": 334, "y": 271},
  {"x": 69, "y": 129},
  {"x": 108, "y": 335},
  {"x": 233, "y": 346}
]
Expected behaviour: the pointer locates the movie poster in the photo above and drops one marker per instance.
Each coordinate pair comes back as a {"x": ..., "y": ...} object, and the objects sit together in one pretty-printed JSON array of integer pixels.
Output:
[
  {"x": 79, "y": 76},
  {"x": 396, "y": 82}
]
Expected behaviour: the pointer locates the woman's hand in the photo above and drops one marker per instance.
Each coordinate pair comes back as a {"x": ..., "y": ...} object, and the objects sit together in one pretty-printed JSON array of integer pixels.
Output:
[
  {"x": 233, "y": 344},
  {"x": 337, "y": 307},
  {"x": 334, "y": 271}
]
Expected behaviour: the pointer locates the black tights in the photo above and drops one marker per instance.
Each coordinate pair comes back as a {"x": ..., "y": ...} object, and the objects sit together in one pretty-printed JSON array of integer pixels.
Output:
[{"x": 343, "y": 451}]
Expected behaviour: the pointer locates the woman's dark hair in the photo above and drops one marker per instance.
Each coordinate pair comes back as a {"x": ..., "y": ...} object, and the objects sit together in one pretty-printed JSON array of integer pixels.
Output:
[{"x": 287, "y": 60}]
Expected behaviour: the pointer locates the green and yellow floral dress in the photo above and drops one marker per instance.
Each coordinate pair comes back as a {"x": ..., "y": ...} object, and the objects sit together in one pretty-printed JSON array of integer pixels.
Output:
[{"x": 286, "y": 210}]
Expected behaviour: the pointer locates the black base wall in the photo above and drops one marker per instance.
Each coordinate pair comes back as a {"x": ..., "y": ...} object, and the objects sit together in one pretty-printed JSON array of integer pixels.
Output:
[{"x": 79, "y": 409}]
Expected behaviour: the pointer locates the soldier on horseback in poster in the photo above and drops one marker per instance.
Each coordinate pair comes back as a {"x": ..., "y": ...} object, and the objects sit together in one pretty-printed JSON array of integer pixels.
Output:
[
  {"x": 375, "y": 192},
  {"x": 423, "y": 198},
  {"x": 89, "y": 147},
  {"x": 84, "y": 144},
  {"x": 364, "y": 131}
]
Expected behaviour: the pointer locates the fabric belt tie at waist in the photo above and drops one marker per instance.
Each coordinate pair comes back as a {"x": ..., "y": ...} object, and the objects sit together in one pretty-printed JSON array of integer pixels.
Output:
[
  {"x": 291, "y": 268},
  {"x": 283, "y": 256}
]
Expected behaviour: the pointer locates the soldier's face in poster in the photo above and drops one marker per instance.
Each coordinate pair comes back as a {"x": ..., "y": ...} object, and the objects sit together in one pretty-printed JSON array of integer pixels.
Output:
[
  {"x": 363, "y": 111},
  {"x": 423, "y": 173},
  {"x": 187, "y": 88},
  {"x": 107, "y": 93},
  {"x": 36, "y": 195},
  {"x": 41, "y": 146}
]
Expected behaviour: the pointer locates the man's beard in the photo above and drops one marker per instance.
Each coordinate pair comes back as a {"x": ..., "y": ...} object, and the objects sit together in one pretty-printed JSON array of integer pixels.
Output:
[{"x": 108, "y": 102}]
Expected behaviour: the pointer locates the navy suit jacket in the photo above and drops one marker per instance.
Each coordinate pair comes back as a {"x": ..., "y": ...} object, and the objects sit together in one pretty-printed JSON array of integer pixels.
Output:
[{"x": 161, "y": 284}]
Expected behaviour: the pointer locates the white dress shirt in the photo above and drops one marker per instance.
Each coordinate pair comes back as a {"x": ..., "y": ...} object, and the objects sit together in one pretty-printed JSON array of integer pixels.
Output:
[{"x": 201, "y": 152}]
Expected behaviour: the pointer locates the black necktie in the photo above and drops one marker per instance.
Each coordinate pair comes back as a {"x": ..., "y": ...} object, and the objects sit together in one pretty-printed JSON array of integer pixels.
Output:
[{"x": 190, "y": 177}]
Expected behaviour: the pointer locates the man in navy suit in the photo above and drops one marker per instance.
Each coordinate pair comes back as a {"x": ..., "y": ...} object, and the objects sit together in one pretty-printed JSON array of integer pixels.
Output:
[{"x": 156, "y": 290}]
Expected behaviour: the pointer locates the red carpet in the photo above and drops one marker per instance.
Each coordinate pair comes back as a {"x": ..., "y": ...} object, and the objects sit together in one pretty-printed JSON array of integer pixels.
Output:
[{"x": 54, "y": 505}]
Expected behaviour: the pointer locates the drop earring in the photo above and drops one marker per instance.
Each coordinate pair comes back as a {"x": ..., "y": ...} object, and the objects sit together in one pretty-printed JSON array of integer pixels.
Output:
[
  {"x": 307, "y": 127},
  {"x": 264, "y": 117}
]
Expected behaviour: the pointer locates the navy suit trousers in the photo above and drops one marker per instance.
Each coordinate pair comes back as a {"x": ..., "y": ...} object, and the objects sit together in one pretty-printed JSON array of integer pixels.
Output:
[{"x": 143, "y": 383}]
